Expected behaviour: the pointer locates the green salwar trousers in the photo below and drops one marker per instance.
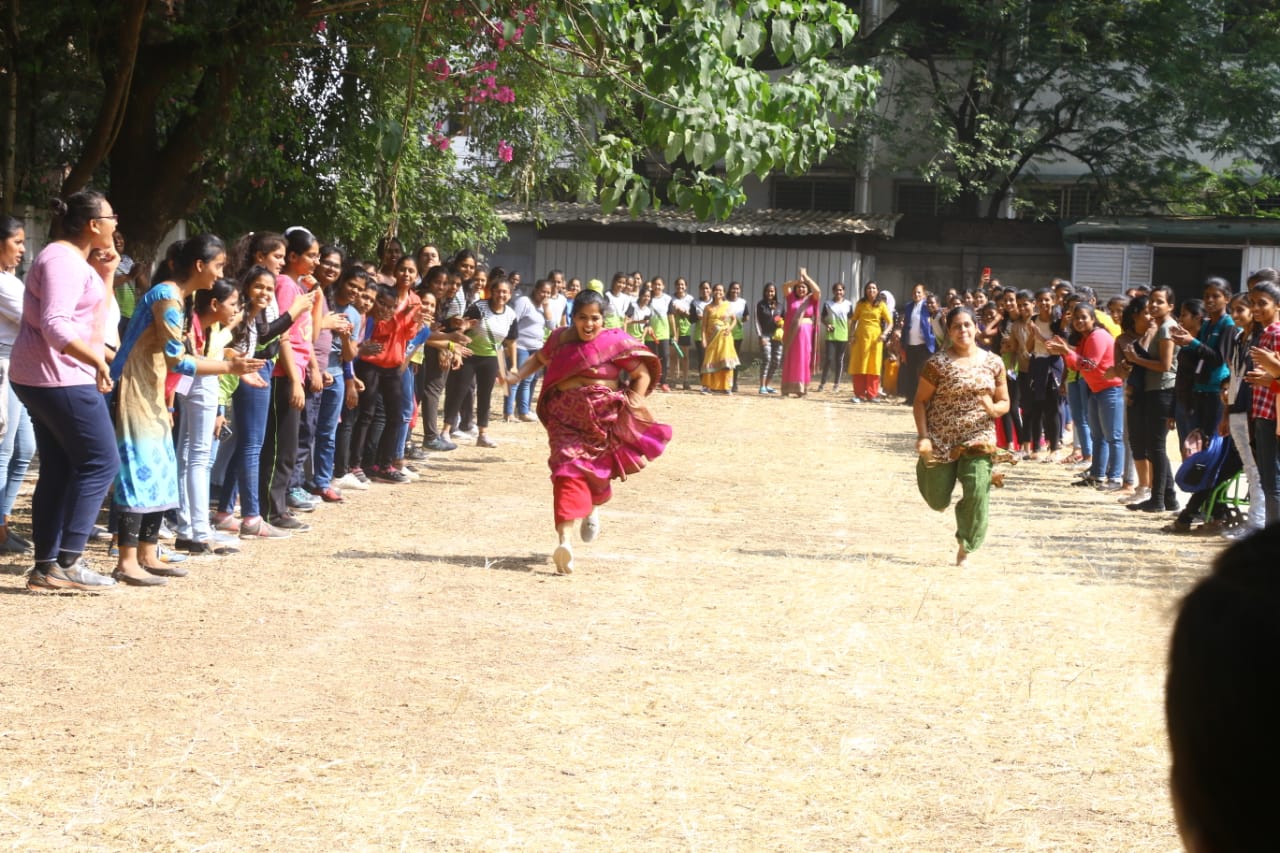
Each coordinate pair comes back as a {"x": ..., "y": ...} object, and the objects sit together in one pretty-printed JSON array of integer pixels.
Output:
[{"x": 938, "y": 481}]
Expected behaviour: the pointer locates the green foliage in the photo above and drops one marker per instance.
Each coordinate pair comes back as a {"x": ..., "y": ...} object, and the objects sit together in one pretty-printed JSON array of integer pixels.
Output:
[
  {"x": 987, "y": 92},
  {"x": 415, "y": 116}
]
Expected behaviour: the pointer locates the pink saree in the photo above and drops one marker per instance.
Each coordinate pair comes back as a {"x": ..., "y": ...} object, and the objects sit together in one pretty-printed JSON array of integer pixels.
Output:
[
  {"x": 797, "y": 348},
  {"x": 595, "y": 434}
]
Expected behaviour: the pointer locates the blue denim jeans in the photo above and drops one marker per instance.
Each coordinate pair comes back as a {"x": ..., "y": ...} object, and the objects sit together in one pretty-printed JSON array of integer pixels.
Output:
[
  {"x": 16, "y": 450},
  {"x": 520, "y": 398},
  {"x": 1078, "y": 394},
  {"x": 331, "y": 402},
  {"x": 408, "y": 399},
  {"x": 249, "y": 410},
  {"x": 1106, "y": 422},
  {"x": 78, "y": 462},
  {"x": 1264, "y": 442},
  {"x": 194, "y": 445}
]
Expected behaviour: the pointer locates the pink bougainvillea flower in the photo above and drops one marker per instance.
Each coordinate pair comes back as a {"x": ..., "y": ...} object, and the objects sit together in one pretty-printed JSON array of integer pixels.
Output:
[{"x": 505, "y": 151}]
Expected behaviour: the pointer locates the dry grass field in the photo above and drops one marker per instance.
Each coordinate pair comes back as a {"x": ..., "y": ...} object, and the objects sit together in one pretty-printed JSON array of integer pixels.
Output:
[{"x": 767, "y": 649}]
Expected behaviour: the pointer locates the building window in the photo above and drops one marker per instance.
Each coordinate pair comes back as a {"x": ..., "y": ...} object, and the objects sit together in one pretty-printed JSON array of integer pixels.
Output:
[
  {"x": 912, "y": 199},
  {"x": 835, "y": 194},
  {"x": 1049, "y": 201}
]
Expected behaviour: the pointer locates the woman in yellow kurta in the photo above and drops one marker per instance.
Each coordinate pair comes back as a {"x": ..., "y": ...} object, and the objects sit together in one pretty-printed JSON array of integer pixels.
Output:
[
  {"x": 717, "y": 339},
  {"x": 870, "y": 327}
]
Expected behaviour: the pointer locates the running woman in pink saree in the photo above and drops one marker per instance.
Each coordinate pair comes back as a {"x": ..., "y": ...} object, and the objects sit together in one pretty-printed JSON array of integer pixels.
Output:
[{"x": 598, "y": 427}]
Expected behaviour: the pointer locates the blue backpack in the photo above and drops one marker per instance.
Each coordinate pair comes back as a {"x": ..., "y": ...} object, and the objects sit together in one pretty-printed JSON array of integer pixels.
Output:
[{"x": 1199, "y": 471}]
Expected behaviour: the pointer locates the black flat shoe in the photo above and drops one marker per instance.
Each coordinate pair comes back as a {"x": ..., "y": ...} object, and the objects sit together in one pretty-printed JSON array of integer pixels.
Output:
[
  {"x": 129, "y": 580},
  {"x": 166, "y": 571}
]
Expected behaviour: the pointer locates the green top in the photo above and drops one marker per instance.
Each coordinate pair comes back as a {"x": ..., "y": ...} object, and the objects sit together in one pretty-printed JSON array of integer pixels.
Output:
[
  {"x": 836, "y": 315},
  {"x": 659, "y": 323}
]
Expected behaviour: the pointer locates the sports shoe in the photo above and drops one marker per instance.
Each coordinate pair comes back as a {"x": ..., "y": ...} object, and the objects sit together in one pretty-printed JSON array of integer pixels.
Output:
[
  {"x": 1110, "y": 486},
  {"x": 414, "y": 452},
  {"x": 298, "y": 499},
  {"x": 563, "y": 558},
  {"x": 485, "y": 441},
  {"x": 470, "y": 432},
  {"x": 410, "y": 472},
  {"x": 168, "y": 556},
  {"x": 590, "y": 527},
  {"x": 390, "y": 475},
  {"x": 75, "y": 577},
  {"x": 38, "y": 580},
  {"x": 290, "y": 522},
  {"x": 12, "y": 545},
  {"x": 440, "y": 444},
  {"x": 1139, "y": 495},
  {"x": 530, "y": 417},
  {"x": 351, "y": 481},
  {"x": 261, "y": 530},
  {"x": 227, "y": 524}
]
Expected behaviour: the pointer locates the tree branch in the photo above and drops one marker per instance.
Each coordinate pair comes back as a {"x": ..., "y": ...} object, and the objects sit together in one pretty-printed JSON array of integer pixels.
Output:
[{"x": 110, "y": 119}]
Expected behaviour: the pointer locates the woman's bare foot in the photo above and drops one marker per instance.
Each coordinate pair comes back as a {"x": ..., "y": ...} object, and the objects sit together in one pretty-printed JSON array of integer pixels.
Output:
[
  {"x": 997, "y": 479},
  {"x": 962, "y": 557},
  {"x": 563, "y": 558}
]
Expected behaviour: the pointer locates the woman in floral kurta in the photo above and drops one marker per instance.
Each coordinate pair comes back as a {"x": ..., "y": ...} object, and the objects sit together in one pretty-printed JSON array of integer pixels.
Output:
[
  {"x": 962, "y": 391},
  {"x": 151, "y": 365}
]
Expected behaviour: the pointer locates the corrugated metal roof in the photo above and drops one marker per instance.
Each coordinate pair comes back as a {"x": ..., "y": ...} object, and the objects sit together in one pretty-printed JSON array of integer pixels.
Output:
[
  {"x": 741, "y": 223},
  {"x": 1207, "y": 229}
]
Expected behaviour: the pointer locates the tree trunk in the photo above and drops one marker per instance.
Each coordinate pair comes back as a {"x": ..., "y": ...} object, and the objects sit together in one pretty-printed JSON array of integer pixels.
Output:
[
  {"x": 10, "y": 187},
  {"x": 111, "y": 116},
  {"x": 157, "y": 182}
]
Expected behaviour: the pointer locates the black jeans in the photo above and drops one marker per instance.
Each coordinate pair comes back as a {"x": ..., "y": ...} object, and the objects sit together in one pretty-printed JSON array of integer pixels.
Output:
[
  {"x": 909, "y": 377},
  {"x": 662, "y": 349},
  {"x": 381, "y": 385},
  {"x": 1157, "y": 409},
  {"x": 279, "y": 448},
  {"x": 481, "y": 370},
  {"x": 833, "y": 358},
  {"x": 431, "y": 383},
  {"x": 78, "y": 462}
]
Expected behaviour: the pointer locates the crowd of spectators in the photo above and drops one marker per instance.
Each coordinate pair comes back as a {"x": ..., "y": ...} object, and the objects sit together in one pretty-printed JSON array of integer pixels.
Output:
[{"x": 254, "y": 381}]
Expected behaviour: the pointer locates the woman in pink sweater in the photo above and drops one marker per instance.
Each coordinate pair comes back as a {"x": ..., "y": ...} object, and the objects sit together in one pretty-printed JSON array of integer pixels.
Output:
[
  {"x": 1092, "y": 353},
  {"x": 59, "y": 372}
]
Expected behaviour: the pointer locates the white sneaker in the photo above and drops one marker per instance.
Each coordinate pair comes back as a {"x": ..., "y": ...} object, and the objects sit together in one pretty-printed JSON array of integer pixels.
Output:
[
  {"x": 410, "y": 473},
  {"x": 590, "y": 528},
  {"x": 351, "y": 481},
  {"x": 563, "y": 558}
]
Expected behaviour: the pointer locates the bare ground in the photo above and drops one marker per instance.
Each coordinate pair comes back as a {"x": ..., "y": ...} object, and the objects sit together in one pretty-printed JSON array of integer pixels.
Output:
[{"x": 767, "y": 649}]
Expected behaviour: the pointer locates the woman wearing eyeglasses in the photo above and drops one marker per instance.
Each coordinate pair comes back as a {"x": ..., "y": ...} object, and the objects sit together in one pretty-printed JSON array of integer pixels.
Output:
[{"x": 60, "y": 372}]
